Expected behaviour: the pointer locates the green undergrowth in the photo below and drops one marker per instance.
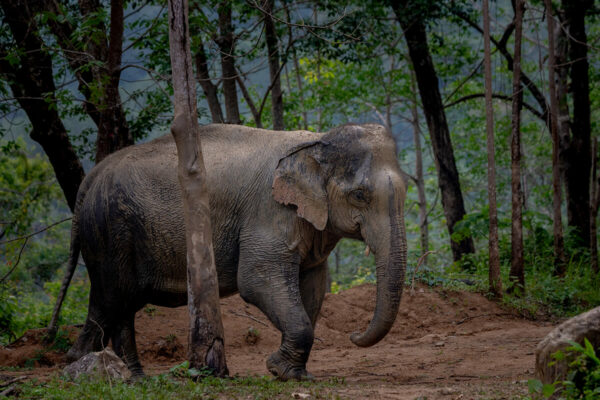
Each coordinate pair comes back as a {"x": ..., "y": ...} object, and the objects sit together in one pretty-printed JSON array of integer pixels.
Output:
[
  {"x": 22, "y": 308},
  {"x": 583, "y": 375},
  {"x": 167, "y": 386}
]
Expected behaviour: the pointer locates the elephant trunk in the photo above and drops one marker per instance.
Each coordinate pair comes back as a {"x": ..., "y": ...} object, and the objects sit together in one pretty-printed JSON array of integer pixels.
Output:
[{"x": 390, "y": 259}]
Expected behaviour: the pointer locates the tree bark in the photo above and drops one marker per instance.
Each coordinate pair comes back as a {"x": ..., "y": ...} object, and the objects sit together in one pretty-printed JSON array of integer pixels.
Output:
[
  {"x": 274, "y": 67},
  {"x": 494, "y": 267},
  {"x": 226, "y": 44},
  {"x": 98, "y": 65},
  {"x": 578, "y": 157},
  {"x": 206, "y": 345},
  {"x": 33, "y": 86},
  {"x": 594, "y": 205},
  {"x": 517, "y": 272},
  {"x": 209, "y": 89},
  {"x": 423, "y": 223},
  {"x": 559, "y": 252},
  {"x": 448, "y": 179}
]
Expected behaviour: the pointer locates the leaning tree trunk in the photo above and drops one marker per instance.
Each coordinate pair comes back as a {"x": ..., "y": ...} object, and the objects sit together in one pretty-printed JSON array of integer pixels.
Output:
[
  {"x": 448, "y": 179},
  {"x": 209, "y": 88},
  {"x": 206, "y": 346},
  {"x": 517, "y": 273},
  {"x": 494, "y": 267},
  {"x": 559, "y": 251},
  {"x": 32, "y": 84}
]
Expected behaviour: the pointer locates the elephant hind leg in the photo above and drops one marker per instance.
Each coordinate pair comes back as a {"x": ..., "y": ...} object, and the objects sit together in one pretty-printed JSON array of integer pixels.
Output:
[
  {"x": 123, "y": 342},
  {"x": 94, "y": 336}
]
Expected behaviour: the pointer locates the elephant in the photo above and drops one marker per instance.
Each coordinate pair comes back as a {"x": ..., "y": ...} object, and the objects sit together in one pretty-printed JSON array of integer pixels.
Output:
[{"x": 279, "y": 203}]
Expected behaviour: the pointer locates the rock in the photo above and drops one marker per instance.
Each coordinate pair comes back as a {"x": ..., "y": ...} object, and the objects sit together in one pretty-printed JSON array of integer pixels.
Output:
[
  {"x": 101, "y": 364},
  {"x": 586, "y": 325},
  {"x": 447, "y": 391}
]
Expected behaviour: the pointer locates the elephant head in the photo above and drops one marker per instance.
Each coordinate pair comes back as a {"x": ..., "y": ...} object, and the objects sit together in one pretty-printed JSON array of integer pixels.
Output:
[{"x": 349, "y": 183}]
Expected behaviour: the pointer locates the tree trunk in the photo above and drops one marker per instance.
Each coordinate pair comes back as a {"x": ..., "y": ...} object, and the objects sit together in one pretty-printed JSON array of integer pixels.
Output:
[
  {"x": 559, "y": 252},
  {"x": 226, "y": 44},
  {"x": 495, "y": 280},
  {"x": 517, "y": 272},
  {"x": 209, "y": 89},
  {"x": 33, "y": 86},
  {"x": 594, "y": 205},
  {"x": 577, "y": 168},
  {"x": 274, "y": 67},
  {"x": 99, "y": 66},
  {"x": 448, "y": 179},
  {"x": 423, "y": 223},
  {"x": 206, "y": 346}
]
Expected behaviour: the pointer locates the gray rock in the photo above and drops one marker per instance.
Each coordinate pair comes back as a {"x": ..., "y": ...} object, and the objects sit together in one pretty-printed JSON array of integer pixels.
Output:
[
  {"x": 102, "y": 364},
  {"x": 586, "y": 325}
]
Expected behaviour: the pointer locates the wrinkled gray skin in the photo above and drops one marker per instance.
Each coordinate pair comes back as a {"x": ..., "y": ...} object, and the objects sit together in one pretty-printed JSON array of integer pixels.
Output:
[{"x": 280, "y": 201}]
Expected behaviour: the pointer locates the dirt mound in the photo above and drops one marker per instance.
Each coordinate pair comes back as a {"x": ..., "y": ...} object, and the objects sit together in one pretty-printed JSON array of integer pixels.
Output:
[
  {"x": 30, "y": 350},
  {"x": 441, "y": 339}
]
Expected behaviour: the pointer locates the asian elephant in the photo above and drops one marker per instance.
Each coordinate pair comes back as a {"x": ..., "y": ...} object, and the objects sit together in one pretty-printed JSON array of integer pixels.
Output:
[{"x": 280, "y": 201}]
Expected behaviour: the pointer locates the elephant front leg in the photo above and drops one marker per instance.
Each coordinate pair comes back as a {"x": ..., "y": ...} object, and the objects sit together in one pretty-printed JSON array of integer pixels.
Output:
[
  {"x": 274, "y": 288},
  {"x": 313, "y": 285}
]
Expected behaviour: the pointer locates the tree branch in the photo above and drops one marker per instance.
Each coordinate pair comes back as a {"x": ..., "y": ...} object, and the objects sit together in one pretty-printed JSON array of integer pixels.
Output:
[{"x": 505, "y": 97}]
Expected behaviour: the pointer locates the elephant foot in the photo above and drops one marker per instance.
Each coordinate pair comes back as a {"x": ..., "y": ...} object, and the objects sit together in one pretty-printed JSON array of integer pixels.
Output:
[
  {"x": 75, "y": 354},
  {"x": 286, "y": 370},
  {"x": 137, "y": 376}
]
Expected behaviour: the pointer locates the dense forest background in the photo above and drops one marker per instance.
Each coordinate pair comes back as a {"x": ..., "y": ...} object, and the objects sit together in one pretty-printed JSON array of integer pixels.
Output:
[{"x": 82, "y": 79}]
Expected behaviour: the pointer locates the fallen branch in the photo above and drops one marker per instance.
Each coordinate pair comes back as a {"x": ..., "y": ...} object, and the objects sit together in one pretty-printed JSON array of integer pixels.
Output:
[
  {"x": 13, "y": 380},
  {"x": 462, "y": 321}
]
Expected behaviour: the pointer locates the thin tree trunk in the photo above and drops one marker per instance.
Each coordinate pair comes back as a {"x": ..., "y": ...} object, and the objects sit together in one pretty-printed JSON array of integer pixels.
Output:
[
  {"x": 206, "y": 346},
  {"x": 594, "y": 205},
  {"x": 517, "y": 272},
  {"x": 495, "y": 280},
  {"x": 578, "y": 167},
  {"x": 423, "y": 223},
  {"x": 561, "y": 49},
  {"x": 448, "y": 179},
  {"x": 99, "y": 66},
  {"x": 226, "y": 44},
  {"x": 32, "y": 84},
  {"x": 300, "y": 90},
  {"x": 274, "y": 67},
  {"x": 209, "y": 88},
  {"x": 113, "y": 131},
  {"x": 256, "y": 115},
  {"x": 559, "y": 252}
]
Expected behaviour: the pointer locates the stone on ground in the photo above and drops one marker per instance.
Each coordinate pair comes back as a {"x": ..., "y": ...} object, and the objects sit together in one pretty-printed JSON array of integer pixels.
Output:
[
  {"x": 586, "y": 325},
  {"x": 102, "y": 364}
]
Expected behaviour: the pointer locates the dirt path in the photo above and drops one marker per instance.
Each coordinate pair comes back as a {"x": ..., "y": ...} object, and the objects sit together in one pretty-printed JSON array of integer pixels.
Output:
[{"x": 447, "y": 345}]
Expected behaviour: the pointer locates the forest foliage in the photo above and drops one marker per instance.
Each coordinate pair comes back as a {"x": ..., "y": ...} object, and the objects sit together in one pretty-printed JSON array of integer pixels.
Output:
[{"x": 79, "y": 80}]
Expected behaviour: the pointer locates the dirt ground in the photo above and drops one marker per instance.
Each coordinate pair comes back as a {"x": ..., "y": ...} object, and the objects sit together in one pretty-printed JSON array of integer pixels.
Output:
[{"x": 444, "y": 345}]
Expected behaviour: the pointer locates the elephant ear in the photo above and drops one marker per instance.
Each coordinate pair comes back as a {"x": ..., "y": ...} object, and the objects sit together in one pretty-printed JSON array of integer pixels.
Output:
[{"x": 300, "y": 180}]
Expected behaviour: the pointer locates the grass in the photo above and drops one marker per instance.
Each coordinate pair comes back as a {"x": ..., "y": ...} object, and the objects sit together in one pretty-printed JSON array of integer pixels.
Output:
[{"x": 168, "y": 387}]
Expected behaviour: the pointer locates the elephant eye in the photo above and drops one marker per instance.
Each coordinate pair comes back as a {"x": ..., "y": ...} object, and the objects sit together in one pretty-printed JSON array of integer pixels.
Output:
[{"x": 358, "y": 196}]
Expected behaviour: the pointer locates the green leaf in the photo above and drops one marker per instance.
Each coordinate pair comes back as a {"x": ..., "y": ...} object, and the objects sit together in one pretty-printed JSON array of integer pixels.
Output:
[
  {"x": 548, "y": 390},
  {"x": 535, "y": 386}
]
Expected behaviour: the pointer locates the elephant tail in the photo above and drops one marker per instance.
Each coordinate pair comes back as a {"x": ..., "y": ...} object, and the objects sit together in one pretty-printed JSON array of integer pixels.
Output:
[{"x": 72, "y": 264}]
